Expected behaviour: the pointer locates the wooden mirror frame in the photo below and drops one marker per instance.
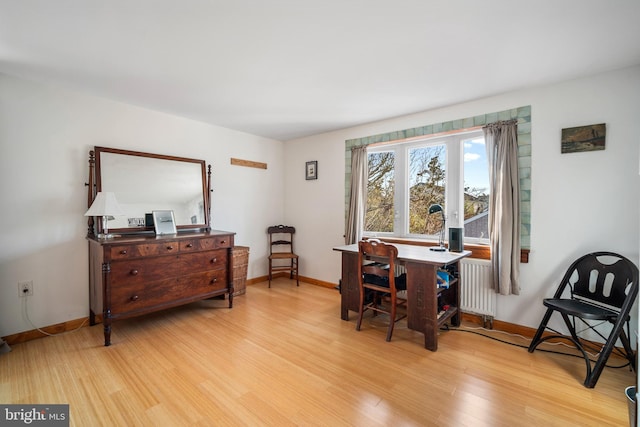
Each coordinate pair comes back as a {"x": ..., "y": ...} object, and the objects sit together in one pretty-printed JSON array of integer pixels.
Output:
[{"x": 95, "y": 186}]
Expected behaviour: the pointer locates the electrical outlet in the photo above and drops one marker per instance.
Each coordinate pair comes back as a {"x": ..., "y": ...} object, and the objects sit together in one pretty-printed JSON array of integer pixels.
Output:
[{"x": 25, "y": 289}]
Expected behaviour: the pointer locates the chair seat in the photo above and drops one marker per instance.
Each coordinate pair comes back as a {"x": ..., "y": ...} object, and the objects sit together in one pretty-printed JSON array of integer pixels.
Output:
[
  {"x": 282, "y": 255},
  {"x": 383, "y": 282},
  {"x": 581, "y": 309}
]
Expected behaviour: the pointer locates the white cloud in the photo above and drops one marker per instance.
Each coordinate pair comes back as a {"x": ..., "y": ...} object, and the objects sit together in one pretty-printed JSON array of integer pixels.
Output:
[{"x": 470, "y": 157}]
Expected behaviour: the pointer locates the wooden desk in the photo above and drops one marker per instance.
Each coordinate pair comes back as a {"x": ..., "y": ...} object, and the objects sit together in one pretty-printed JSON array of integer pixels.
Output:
[{"x": 421, "y": 265}]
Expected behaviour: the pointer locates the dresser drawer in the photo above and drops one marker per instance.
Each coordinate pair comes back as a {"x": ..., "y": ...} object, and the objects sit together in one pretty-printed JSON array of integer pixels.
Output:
[
  {"x": 202, "y": 261},
  {"x": 142, "y": 270},
  {"x": 144, "y": 250},
  {"x": 192, "y": 245},
  {"x": 139, "y": 296},
  {"x": 222, "y": 241},
  {"x": 210, "y": 281},
  {"x": 135, "y": 297},
  {"x": 195, "y": 244}
]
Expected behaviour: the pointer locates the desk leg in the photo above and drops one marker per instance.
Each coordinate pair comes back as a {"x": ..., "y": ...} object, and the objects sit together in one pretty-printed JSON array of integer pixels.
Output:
[
  {"x": 456, "y": 289},
  {"x": 422, "y": 310},
  {"x": 349, "y": 293},
  {"x": 344, "y": 311}
]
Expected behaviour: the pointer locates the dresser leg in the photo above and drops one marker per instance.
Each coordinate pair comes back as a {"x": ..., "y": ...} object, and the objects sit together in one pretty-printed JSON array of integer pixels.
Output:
[
  {"x": 107, "y": 335},
  {"x": 106, "y": 322}
]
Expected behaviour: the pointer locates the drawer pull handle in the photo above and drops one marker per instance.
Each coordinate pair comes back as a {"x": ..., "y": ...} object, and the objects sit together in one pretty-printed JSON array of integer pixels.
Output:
[
  {"x": 213, "y": 281},
  {"x": 169, "y": 248},
  {"x": 223, "y": 242},
  {"x": 134, "y": 272},
  {"x": 214, "y": 260},
  {"x": 135, "y": 298},
  {"x": 123, "y": 252},
  {"x": 189, "y": 245}
]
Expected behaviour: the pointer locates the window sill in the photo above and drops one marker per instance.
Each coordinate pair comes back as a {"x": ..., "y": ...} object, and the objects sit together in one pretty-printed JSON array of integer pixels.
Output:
[{"x": 477, "y": 251}]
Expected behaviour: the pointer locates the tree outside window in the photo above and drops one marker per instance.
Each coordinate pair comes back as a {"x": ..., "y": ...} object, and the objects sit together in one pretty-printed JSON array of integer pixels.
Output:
[{"x": 405, "y": 179}]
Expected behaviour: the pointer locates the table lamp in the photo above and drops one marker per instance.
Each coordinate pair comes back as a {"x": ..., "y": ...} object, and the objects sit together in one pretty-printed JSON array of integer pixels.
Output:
[
  {"x": 433, "y": 209},
  {"x": 105, "y": 205}
]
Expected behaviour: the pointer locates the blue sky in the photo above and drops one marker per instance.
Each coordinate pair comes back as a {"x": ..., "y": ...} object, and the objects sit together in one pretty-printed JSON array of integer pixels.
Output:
[{"x": 475, "y": 164}]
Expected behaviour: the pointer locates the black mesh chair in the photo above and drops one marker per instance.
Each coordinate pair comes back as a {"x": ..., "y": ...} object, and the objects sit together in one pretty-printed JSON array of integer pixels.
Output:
[
  {"x": 598, "y": 287},
  {"x": 377, "y": 282}
]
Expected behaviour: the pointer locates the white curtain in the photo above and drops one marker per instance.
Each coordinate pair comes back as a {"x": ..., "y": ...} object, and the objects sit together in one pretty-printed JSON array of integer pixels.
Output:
[
  {"x": 357, "y": 201},
  {"x": 504, "y": 205}
]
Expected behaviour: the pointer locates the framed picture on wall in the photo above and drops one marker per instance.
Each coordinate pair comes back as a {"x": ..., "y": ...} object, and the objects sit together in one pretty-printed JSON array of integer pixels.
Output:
[
  {"x": 311, "y": 170},
  {"x": 583, "y": 138},
  {"x": 164, "y": 222}
]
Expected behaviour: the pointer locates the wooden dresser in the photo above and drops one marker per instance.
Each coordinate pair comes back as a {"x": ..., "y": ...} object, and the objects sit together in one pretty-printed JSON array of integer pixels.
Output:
[{"x": 134, "y": 275}]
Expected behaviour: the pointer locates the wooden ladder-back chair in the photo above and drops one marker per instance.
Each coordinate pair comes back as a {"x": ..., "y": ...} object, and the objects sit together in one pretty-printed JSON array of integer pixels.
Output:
[
  {"x": 377, "y": 281},
  {"x": 281, "y": 251},
  {"x": 600, "y": 287}
]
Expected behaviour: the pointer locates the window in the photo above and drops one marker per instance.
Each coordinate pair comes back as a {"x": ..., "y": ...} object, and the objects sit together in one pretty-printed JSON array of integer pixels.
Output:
[
  {"x": 406, "y": 178},
  {"x": 379, "y": 216},
  {"x": 476, "y": 189},
  {"x": 427, "y": 186}
]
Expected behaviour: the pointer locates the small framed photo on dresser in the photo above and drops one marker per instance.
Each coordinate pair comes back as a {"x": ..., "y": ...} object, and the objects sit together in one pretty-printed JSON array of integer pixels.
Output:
[{"x": 164, "y": 222}]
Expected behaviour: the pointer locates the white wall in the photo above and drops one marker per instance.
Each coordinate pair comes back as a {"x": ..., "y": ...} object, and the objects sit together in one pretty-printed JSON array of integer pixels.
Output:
[
  {"x": 581, "y": 202},
  {"x": 46, "y": 133},
  {"x": 45, "y": 137}
]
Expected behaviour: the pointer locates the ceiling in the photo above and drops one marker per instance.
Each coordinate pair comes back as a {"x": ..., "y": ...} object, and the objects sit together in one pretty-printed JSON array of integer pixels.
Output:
[{"x": 285, "y": 69}]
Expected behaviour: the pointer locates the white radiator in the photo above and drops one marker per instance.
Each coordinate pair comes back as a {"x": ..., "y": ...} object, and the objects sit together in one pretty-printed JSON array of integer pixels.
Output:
[{"x": 476, "y": 295}]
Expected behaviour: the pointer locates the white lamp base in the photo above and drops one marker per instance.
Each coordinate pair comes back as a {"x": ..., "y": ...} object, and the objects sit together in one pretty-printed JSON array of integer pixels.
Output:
[{"x": 105, "y": 229}]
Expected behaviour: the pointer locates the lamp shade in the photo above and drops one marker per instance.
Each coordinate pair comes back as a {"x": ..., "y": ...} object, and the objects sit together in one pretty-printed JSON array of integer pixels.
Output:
[
  {"x": 105, "y": 204},
  {"x": 434, "y": 208}
]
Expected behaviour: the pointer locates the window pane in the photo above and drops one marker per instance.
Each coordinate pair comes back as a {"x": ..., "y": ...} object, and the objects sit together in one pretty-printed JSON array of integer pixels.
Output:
[
  {"x": 476, "y": 189},
  {"x": 427, "y": 180},
  {"x": 380, "y": 191}
]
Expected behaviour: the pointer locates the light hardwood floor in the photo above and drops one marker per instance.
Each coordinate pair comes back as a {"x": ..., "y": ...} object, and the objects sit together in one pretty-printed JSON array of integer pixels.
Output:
[{"x": 283, "y": 357}]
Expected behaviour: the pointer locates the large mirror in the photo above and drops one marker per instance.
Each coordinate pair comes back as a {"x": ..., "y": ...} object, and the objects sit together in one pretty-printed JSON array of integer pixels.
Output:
[{"x": 145, "y": 182}]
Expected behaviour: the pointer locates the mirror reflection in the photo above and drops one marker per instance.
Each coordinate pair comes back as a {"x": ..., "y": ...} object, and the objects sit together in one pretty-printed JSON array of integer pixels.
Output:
[{"x": 145, "y": 182}]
